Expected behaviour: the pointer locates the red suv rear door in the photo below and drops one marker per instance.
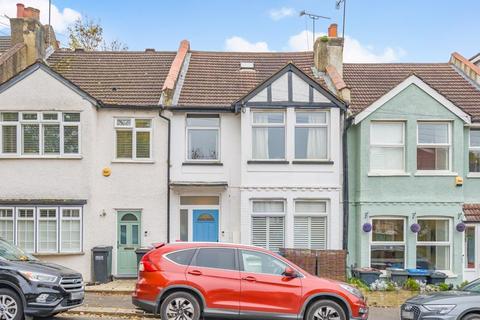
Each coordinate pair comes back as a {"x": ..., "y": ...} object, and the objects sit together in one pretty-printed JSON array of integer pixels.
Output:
[
  {"x": 214, "y": 271},
  {"x": 264, "y": 288}
]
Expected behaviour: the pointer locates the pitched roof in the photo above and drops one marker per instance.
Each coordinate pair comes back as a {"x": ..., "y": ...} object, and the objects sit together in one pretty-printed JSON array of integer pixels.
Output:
[
  {"x": 215, "y": 79},
  {"x": 116, "y": 78},
  {"x": 369, "y": 82},
  {"x": 5, "y": 43},
  {"x": 475, "y": 58},
  {"x": 472, "y": 212}
]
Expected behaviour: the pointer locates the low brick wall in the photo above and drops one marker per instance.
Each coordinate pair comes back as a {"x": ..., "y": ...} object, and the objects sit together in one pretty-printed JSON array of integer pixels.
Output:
[{"x": 323, "y": 263}]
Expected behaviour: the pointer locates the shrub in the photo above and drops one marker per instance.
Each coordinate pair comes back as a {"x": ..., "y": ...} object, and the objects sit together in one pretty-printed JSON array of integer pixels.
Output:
[
  {"x": 358, "y": 283},
  {"x": 444, "y": 287},
  {"x": 462, "y": 285},
  {"x": 383, "y": 285},
  {"x": 412, "y": 285}
]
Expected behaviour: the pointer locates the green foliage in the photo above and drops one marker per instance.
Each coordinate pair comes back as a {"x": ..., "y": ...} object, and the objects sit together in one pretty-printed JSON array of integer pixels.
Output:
[
  {"x": 462, "y": 285},
  {"x": 88, "y": 34},
  {"x": 444, "y": 287},
  {"x": 411, "y": 285},
  {"x": 358, "y": 283},
  {"x": 324, "y": 39},
  {"x": 391, "y": 286}
]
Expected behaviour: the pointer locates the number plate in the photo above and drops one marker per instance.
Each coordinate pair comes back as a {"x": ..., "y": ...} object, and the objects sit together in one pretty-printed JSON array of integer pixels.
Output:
[
  {"x": 407, "y": 315},
  {"x": 77, "y": 295}
]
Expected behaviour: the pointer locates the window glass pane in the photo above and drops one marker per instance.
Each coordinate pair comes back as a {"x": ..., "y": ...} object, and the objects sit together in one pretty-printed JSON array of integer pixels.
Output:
[
  {"x": 70, "y": 235},
  {"x": 432, "y": 133},
  {"x": 215, "y": 258},
  {"x": 311, "y": 143},
  {"x": 433, "y": 257},
  {"x": 47, "y": 232},
  {"x": 310, "y": 207},
  {"x": 475, "y": 138},
  {"x": 433, "y": 230},
  {"x": 474, "y": 160},
  {"x": 50, "y": 116},
  {"x": 386, "y": 133},
  {"x": 202, "y": 144},
  {"x": 183, "y": 225},
  {"x": 9, "y": 116},
  {"x": 199, "y": 200},
  {"x": 31, "y": 139},
  {"x": 124, "y": 122},
  {"x": 29, "y": 116},
  {"x": 183, "y": 257},
  {"x": 268, "y": 117},
  {"x": 268, "y": 232},
  {"x": 9, "y": 139},
  {"x": 269, "y": 143},
  {"x": 268, "y": 206},
  {"x": 124, "y": 144},
  {"x": 470, "y": 248},
  {"x": 6, "y": 224},
  {"x": 143, "y": 123},
  {"x": 51, "y": 138},
  {"x": 143, "y": 144},
  {"x": 71, "y": 117},
  {"x": 26, "y": 235},
  {"x": 203, "y": 120},
  {"x": 310, "y": 233},
  {"x": 384, "y": 256},
  {"x": 70, "y": 139},
  {"x": 257, "y": 262},
  {"x": 123, "y": 234},
  {"x": 311, "y": 117},
  {"x": 388, "y": 230},
  {"x": 433, "y": 158},
  {"x": 386, "y": 158},
  {"x": 135, "y": 234}
]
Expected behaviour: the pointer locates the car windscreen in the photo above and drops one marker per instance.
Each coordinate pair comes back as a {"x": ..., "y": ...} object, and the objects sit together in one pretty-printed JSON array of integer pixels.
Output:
[{"x": 10, "y": 252}]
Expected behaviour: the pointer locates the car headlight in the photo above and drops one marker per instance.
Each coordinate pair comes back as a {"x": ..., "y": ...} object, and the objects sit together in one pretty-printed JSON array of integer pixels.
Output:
[
  {"x": 352, "y": 290},
  {"x": 440, "y": 308},
  {"x": 38, "y": 277}
]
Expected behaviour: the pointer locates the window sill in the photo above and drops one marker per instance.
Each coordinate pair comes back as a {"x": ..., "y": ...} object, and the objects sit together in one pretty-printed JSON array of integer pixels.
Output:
[
  {"x": 312, "y": 162},
  {"x": 389, "y": 174},
  {"x": 474, "y": 175},
  {"x": 27, "y": 157},
  {"x": 133, "y": 161},
  {"x": 435, "y": 174},
  {"x": 47, "y": 254},
  {"x": 268, "y": 162},
  {"x": 204, "y": 163}
]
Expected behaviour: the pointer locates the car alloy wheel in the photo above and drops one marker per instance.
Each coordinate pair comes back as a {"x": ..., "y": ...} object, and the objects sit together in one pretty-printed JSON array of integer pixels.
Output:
[
  {"x": 326, "y": 313},
  {"x": 8, "y": 307}
]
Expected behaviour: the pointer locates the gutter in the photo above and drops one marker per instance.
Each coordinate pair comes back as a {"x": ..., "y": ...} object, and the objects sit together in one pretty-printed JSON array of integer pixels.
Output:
[
  {"x": 346, "y": 201},
  {"x": 168, "y": 170}
]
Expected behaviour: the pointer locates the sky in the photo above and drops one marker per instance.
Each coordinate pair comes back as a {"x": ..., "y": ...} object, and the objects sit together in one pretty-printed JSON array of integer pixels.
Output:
[{"x": 376, "y": 31}]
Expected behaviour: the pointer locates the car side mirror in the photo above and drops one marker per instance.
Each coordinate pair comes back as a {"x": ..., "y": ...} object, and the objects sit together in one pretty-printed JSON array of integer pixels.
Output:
[{"x": 289, "y": 273}]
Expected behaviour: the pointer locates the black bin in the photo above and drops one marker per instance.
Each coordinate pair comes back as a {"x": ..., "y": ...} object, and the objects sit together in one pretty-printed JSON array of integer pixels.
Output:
[
  {"x": 437, "y": 278},
  {"x": 140, "y": 253},
  {"x": 102, "y": 264},
  {"x": 399, "y": 276},
  {"x": 367, "y": 275}
]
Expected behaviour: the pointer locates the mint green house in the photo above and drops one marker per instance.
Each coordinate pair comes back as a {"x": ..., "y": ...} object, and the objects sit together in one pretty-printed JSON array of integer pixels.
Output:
[{"x": 414, "y": 168}]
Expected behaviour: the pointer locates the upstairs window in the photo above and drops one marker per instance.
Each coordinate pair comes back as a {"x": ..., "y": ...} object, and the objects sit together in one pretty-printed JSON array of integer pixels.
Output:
[
  {"x": 39, "y": 133},
  {"x": 474, "y": 152},
  {"x": 203, "y": 132},
  {"x": 387, "y": 147},
  {"x": 433, "y": 146},
  {"x": 311, "y": 135},
  {"x": 133, "y": 138},
  {"x": 268, "y": 134}
]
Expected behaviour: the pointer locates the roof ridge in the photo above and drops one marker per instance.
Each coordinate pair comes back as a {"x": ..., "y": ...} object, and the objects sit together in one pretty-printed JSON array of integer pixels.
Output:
[{"x": 252, "y": 52}]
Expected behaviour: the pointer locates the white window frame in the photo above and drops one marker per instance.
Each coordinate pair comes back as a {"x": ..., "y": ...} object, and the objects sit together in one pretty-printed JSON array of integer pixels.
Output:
[
  {"x": 270, "y": 125},
  {"x": 11, "y": 219},
  {"x": 40, "y": 122},
  {"x": 438, "y": 243},
  {"x": 187, "y": 136},
  {"x": 396, "y": 146},
  {"x": 269, "y": 215},
  {"x": 472, "y": 148},
  {"x": 313, "y": 215},
  {"x": 61, "y": 219},
  {"x": 47, "y": 219},
  {"x": 435, "y": 145},
  {"x": 18, "y": 218},
  {"x": 132, "y": 127},
  {"x": 388, "y": 243},
  {"x": 313, "y": 126}
]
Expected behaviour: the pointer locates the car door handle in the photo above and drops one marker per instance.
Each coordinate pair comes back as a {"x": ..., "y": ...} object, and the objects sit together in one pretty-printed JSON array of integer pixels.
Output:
[
  {"x": 195, "y": 273},
  {"x": 250, "y": 279}
]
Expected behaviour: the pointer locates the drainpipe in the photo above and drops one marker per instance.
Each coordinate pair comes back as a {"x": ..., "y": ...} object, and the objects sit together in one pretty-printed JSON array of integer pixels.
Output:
[
  {"x": 168, "y": 171},
  {"x": 346, "y": 202}
]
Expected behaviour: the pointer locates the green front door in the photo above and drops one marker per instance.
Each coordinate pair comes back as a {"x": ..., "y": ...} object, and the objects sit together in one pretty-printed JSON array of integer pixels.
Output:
[{"x": 128, "y": 241}]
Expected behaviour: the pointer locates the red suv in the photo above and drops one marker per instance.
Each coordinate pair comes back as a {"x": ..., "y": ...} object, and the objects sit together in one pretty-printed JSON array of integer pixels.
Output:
[{"x": 186, "y": 281}]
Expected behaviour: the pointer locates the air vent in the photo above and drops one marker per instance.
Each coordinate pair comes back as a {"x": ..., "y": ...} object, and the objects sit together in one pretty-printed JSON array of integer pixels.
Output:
[{"x": 247, "y": 66}]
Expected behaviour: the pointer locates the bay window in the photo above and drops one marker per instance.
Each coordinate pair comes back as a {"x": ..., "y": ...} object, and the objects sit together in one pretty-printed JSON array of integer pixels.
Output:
[
  {"x": 133, "y": 138},
  {"x": 387, "y": 243},
  {"x": 6, "y": 224},
  {"x": 433, "y": 146},
  {"x": 39, "y": 133},
  {"x": 434, "y": 244},
  {"x": 268, "y": 224},
  {"x": 26, "y": 229},
  {"x": 474, "y": 151},
  {"x": 203, "y": 133},
  {"x": 310, "y": 224},
  {"x": 268, "y": 134},
  {"x": 311, "y": 135},
  {"x": 47, "y": 230},
  {"x": 387, "y": 147}
]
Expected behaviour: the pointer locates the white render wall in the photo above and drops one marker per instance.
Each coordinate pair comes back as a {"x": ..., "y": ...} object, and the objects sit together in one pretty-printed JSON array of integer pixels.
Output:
[{"x": 131, "y": 185}]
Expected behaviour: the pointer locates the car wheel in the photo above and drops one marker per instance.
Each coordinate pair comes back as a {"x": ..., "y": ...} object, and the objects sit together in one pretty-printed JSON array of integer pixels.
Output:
[
  {"x": 180, "y": 305},
  {"x": 325, "y": 310},
  {"x": 11, "y": 306},
  {"x": 471, "y": 317}
]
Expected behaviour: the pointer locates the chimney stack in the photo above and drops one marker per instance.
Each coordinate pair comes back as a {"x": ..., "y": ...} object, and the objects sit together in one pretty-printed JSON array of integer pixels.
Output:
[
  {"x": 328, "y": 51},
  {"x": 20, "y": 10},
  {"x": 333, "y": 31}
]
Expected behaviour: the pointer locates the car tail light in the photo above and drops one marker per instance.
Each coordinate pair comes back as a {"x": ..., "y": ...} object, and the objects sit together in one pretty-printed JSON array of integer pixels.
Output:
[{"x": 147, "y": 265}]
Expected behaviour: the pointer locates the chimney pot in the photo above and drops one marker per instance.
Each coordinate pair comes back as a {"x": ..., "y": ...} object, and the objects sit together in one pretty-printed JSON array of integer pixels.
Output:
[
  {"x": 20, "y": 10},
  {"x": 79, "y": 50},
  {"x": 333, "y": 31},
  {"x": 149, "y": 50}
]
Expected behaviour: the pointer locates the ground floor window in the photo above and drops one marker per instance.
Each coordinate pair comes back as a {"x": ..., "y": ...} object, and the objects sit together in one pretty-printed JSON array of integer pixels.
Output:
[
  {"x": 268, "y": 224},
  {"x": 470, "y": 247},
  {"x": 310, "y": 225},
  {"x": 434, "y": 244},
  {"x": 387, "y": 244},
  {"x": 43, "y": 229}
]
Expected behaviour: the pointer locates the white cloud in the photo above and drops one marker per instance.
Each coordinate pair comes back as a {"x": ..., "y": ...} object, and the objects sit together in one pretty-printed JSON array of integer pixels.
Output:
[
  {"x": 277, "y": 14},
  {"x": 60, "y": 19},
  {"x": 354, "y": 50},
  {"x": 236, "y": 43}
]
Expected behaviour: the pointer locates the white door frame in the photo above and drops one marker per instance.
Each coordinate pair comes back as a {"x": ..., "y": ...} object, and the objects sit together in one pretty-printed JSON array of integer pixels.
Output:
[{"x": 472, "y": 274}]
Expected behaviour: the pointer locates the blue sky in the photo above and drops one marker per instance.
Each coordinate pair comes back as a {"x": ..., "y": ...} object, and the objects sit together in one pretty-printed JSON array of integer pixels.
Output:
[{"x": 385, "y": 31}]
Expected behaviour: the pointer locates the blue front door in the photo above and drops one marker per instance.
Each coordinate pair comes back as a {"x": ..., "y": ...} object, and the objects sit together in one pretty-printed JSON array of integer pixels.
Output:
[{"x": 205, "y": 225}]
